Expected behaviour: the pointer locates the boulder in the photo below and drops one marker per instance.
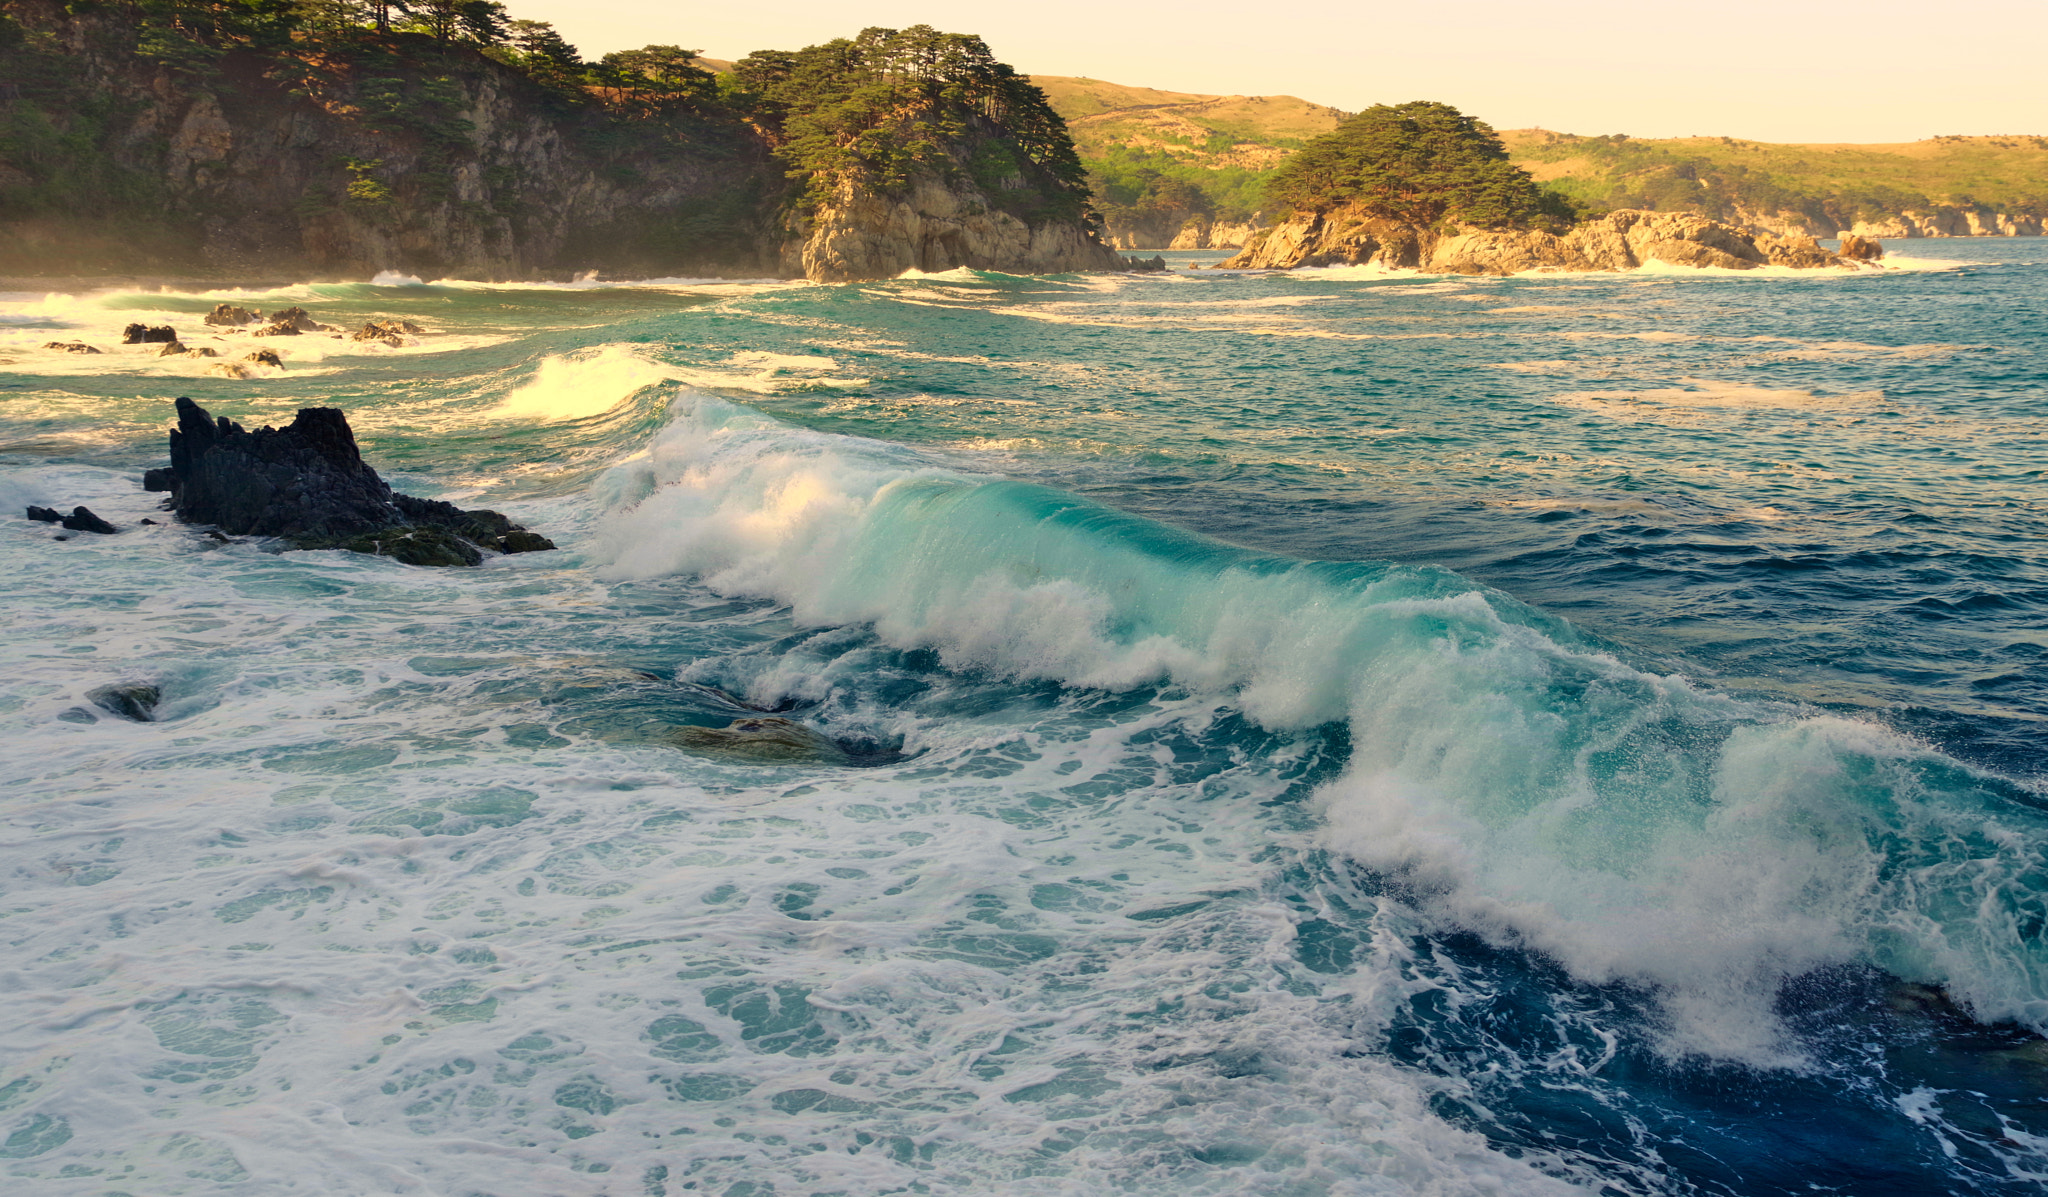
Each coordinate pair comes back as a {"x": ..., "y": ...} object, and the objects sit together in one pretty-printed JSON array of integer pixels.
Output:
[
  {"x": 69, "y": 347},
  {"x": 1860, "y": 249},
  {"x": 229, "y": 316},
  {"x": 1797, "y": 252},
  {"x": 145, "y": 334},
  {"x": 308, "y": 484},
  {"x": 276, "y": 330},
  {"x": 202, "y": 351},
  {"x": 296, "y": 319},
  {"x": 172, "y": 349},
  {"x": 129, "y": 700},
  {"x": 1145, "y": 265},
  {"x": 82, "y": 519},
  {"x": 162, "y": 479},
  {"x": 391, "y": 332},
  {"x": 265, "y": 357}
]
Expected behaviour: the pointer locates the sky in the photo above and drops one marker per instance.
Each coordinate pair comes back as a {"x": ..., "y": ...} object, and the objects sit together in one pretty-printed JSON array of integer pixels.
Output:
[{"x": 1790, "y": 70}]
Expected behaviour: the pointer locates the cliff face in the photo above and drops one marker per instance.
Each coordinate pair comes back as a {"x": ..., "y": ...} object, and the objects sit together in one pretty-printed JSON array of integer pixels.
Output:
[
  {"x": 1618, "y": 241},
  {"x": 932, "y": 225},
  {"x": 408, "y": 157},
  {"x": 1217, "y": 234},
  {"x": 378, "y": 152}
]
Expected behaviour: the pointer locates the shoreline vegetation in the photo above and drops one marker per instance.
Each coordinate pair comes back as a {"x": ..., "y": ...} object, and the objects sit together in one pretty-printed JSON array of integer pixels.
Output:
[{"x": 1183, "y": 170}]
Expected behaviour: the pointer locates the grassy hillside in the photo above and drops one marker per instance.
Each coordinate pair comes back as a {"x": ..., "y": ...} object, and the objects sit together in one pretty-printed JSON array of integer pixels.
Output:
[
  {"x": 1729, "y": 178},
  {"x": 1159, "y": 158}
]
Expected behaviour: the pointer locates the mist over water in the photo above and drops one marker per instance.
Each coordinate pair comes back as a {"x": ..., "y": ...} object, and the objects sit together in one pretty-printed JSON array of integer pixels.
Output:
[{"x": 1342, "y": 732}]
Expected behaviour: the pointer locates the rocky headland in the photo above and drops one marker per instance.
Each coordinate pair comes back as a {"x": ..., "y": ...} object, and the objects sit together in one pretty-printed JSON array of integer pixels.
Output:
[
  {"x": 1422, "y": 186},
  {"x": 263, "y": 142}
]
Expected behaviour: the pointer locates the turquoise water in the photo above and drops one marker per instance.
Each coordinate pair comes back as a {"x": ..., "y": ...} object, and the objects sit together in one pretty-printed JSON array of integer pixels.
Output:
[{"x": 1340, "y": 732}]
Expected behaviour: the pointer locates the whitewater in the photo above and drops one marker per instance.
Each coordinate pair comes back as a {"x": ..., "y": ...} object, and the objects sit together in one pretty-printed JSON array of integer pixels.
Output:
[{"x": 1337, "y": 732}]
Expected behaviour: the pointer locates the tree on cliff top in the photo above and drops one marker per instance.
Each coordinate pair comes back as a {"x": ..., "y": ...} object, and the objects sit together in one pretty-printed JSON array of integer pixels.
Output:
[
  {"x": 890, "y": 102},
  {"x": 1420, "y": 162}
]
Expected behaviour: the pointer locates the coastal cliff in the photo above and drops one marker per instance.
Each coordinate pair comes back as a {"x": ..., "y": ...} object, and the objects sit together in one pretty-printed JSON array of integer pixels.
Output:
[
  {"x": 250, "y": 148},
  {"x": 932, "y": 225},
  {"x": 1617, "y": 241}
]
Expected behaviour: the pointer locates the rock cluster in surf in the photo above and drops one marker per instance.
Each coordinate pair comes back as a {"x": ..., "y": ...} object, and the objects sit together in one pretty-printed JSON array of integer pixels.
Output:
[
  {"x": 1622, "y": 240},
  {"x": 307, "y": 483}
]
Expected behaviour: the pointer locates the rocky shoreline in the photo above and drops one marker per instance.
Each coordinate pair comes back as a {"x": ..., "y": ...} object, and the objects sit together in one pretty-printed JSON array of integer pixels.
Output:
[{"x": 1625, "y": 240}]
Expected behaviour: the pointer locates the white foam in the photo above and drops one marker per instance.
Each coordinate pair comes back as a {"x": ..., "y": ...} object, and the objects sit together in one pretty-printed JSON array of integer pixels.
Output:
[
  {"x": 588, "y": 383},
  {"x": 1475, "y": 772}
]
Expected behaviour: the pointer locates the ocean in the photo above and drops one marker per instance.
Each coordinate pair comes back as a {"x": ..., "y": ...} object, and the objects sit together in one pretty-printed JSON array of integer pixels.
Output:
[{"x": 1339, "y": 732}]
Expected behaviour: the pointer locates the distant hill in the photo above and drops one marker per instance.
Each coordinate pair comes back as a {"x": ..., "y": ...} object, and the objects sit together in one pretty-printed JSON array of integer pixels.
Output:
[
  {"x": 1169, "y": 165},
  {"x": 1161, "y": 161},
  {"x": 1213, "y": 132},
  {"x": 1945, "y": 186}
]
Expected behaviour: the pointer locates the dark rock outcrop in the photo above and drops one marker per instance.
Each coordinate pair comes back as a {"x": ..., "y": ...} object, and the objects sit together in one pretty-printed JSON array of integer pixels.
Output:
[
  {"x": 391, "y": 332},
  {"x": 265, "y": 357},
  {"x": 148, "y": 334},
  {"x": 1860, "y": 249},
  {"x": 81, "y": 519},
  {"x": 298, "y": 320},
  {"x": 129, "y": 700},
  {"x": 227, "y": 315},
  {"x": 69, "y": 347},
  {"x": 1154, "y": 265},
  {"x": 308, "y": 484}
]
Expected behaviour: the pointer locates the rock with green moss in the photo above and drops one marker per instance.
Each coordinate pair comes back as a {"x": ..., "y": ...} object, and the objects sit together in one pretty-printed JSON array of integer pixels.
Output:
[{"x": 410, "y": 546}]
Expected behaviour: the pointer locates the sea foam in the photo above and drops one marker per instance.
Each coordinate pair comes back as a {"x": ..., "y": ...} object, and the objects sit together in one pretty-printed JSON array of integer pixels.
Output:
[{"x": 1521, "y": 780}]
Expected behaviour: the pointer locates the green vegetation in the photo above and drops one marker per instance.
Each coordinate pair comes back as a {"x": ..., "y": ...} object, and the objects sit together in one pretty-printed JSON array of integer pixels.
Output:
[
  {"x": 1141, "y": 187},
  {"x": 884, "y": 105},
  {"x": 889, "y": 102},
  {"x": 1156, "y": 159},
  {"x": 1836, "y": 185},
  {"x": 1421, "y": 162}
]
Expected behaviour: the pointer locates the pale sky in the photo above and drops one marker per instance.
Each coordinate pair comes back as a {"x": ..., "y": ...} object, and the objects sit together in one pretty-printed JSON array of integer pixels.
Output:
[{"x": 1767, "y": 70}]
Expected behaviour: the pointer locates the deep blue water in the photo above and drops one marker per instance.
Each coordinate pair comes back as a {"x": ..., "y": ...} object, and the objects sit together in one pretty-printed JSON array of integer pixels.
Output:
[{"x": 1334, "y": 732}]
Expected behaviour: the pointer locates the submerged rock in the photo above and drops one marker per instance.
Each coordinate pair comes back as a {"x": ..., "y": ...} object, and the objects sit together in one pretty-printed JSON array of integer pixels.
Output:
[
  {"x": 69, "y": 347},
  {"x": 129, "y": 700},
  {"x": 229, "y": 316},
  {"x": 231, "y": 370},
  {"x": 145, "y": 334},
  {"x": 265, "y": 357},
  {"x": 307, "y": 483},
  {"x": 767, "y": 740}
]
